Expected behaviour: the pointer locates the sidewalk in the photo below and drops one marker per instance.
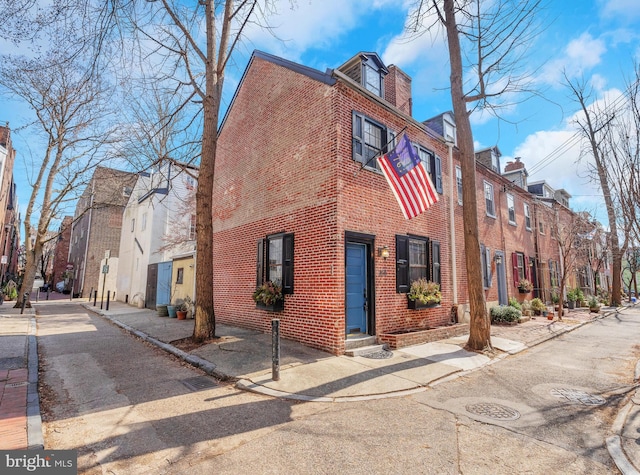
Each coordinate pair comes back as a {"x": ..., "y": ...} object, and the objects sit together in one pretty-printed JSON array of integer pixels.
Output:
[{"x": 20, "y": 423}]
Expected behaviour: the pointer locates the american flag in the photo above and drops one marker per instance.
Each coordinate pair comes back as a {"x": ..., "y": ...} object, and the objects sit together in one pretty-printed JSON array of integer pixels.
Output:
[{"x": 408, "y": 179}]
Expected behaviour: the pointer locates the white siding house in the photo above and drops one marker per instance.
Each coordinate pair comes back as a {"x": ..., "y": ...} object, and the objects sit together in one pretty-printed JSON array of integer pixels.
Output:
[{"x": 156, "y": 226}]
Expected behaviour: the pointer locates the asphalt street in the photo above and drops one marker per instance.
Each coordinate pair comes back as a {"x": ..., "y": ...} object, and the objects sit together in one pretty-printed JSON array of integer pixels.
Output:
[{"x": 128, "y": 407}]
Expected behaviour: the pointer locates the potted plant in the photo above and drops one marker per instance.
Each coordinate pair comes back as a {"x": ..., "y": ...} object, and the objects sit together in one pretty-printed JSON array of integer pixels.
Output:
[
  {"x": 269, "y": 297},
  {"x": 525, "y": 286},
  {"x": 572, "y": 296},
  {"x": 182, "y": 307},
  {"x": 594, "y": 305},
  {"x": 423, "y": 294},
  {"x": 538, "y": 306}
]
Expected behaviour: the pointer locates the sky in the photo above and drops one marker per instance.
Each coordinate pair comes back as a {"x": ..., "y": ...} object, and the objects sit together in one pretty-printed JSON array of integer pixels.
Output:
[{"x": 597, "y": 41}]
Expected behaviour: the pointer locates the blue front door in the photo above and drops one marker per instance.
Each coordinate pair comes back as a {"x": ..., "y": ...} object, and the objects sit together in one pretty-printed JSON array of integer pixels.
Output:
[
  {"x": 356, "y": 287},
  {"x": 163, "y": 295}
]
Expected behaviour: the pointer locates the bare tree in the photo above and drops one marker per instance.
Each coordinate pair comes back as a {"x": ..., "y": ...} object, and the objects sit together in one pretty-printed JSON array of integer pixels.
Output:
[
  {"x": 495, "y": 42},
  {"x": 69, "y": 102},
  {"x": 173, "y": 32},
  {"x": 612, "y": 134}
]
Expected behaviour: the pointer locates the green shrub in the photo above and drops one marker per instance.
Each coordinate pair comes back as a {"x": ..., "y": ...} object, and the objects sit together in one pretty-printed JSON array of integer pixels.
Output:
[
  {"x": 514, "y": 303},
  {"x": 505, "y": 313},
  {"x": 538, "y": 305},
  {"x": 572, "y": 295}
]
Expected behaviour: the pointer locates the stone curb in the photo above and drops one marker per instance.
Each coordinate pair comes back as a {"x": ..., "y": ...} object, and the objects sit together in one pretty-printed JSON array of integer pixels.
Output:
[{"x": 35, "y": 439}]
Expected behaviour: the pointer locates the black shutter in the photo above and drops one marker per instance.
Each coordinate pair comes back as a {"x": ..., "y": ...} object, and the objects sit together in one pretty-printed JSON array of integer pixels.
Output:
[
  {"x": 437, "y": 173},
  {"x": 435, "y": 261},
  {"x": 260, "y": 263},
  {"x": 358, "y": 141},
  {"x": 287, "y": 264},
  {"x": 402, "y": 264}
]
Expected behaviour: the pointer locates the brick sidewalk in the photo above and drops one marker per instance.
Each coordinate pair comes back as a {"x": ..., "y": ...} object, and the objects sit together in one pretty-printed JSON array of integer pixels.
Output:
[{"x": 13, "y": 408}]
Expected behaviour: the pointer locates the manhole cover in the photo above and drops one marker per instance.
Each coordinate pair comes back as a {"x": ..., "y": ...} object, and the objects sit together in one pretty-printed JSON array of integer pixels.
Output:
[
  {"x": 17, "y": 385},
  {"x": 199, "y": 383},
  {"x": 493, "y": 411},
  {"x": 378, "y": 355},
  {"x": 575, "y": 395}
]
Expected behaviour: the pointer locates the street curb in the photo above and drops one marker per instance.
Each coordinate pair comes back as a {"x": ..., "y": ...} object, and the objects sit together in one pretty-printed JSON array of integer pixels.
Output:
[
  {"x": 193, "y": 360},
  {"x": 35, "y": 439},
  {"x": 614, "y": 442}
]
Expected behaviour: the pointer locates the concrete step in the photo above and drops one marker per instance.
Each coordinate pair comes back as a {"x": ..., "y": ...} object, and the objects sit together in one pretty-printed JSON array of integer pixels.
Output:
[
  {"x": 359, "y": 340},
  {"x": 365, "y": 350}
]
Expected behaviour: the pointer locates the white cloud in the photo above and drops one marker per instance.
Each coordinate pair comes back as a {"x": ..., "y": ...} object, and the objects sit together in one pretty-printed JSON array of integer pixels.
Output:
[
  {"x": 620, "y": 10},
  {"x": 309, "y": 24},
  {"x": 580, "y": 55}
]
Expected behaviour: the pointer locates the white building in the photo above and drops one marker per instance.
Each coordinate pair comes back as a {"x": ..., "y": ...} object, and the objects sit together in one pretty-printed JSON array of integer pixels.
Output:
[{"x": 158, "y": 226}]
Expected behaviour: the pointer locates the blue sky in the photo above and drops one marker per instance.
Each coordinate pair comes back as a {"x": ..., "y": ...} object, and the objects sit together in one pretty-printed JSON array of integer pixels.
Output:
[{"x": 597, "y": 40}]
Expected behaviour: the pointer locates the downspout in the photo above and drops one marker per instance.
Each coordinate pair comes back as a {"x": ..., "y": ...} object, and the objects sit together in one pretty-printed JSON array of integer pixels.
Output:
[{"x": 452, "y": 226}]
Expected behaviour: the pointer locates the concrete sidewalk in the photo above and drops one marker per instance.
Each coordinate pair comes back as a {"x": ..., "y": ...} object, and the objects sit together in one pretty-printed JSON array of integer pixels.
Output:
[{"x": 306, "y": 374}]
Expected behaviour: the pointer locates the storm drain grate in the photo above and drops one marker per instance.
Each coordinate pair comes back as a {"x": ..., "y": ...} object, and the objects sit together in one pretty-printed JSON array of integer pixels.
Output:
[
  {"x": 378, "y": 355},
  {"x": 493, "y": 411},
  {"x": 199, "y": 383},
  {"x": 17, "y": 385},
  {"x": 575, "y": 395}
]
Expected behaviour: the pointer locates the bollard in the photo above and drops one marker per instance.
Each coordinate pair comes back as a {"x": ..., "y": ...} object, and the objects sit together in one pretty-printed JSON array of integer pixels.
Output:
[
  {"x": 25, "y": 296},
  {"x": 48, "y": 292},
  {"x": 38, "y": 295},
  {"x": 108, "y": 298},
  {"x": 275, "y": 349},
  {"x": 95, "y": 297}
]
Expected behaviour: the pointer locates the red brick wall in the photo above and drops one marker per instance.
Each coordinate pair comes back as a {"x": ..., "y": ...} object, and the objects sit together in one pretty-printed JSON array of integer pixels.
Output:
[{"x": 284, "y": 164}]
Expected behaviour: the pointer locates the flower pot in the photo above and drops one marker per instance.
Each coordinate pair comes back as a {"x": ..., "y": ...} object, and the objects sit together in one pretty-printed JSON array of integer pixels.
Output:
[
  {"x": 181, "y": 314},
  {"x": 162, "y": 310},
  {"x": 550, "y": 316},
  {"x": 571, "y": 304},
  {"x": 594, "y": 309},
  {"x": 277, "y": 306},
  {"x": 417, "y": 304},
  {"x": 172, "y": 311}
]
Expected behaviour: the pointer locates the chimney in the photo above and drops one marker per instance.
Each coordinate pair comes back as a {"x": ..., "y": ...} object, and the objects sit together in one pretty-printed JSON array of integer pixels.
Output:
[
  {"x": 397, "y": 89},
  {"x": 511, "y": 166}
]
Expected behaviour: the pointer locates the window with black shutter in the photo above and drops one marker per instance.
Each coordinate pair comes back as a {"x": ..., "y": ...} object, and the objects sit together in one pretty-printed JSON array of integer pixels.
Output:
[
  {"x": 370, "y": 139},
  {"x": 416, "y": 257},
  {"x": 275, "y": 261}
]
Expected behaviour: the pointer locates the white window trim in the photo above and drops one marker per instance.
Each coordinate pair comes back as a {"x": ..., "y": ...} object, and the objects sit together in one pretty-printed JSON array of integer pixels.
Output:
[
  {"x": 511, "y": 206},
  {"x": 493, "y": 199}
]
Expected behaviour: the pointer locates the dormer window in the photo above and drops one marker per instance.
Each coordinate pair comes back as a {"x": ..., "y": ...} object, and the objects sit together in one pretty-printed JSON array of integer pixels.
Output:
[{"x": 371, "y": 78}]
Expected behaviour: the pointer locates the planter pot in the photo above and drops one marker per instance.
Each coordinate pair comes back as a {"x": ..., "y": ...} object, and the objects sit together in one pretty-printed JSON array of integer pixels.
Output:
[
  {"x": 417, "y": 305},
  {"x": 594, "y": 309},
  {"x": 172, "y": 311},
  {"x": 571, "y": 304},
  {"x": 550, "y": 317},
  {"x": 275, "y": 307},
  {"x": 523, "y": 291},
  {"x": 181, "y": 314},
  {"x": 162, "y": 310}
]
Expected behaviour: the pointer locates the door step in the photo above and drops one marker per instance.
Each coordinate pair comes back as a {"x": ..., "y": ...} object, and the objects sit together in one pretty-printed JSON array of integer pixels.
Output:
[
  {"x": 359, "y": 340},
  {"x": 365, "y": 350}
]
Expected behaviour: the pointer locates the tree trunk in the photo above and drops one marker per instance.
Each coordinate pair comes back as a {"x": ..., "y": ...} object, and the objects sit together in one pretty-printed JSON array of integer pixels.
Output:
[
  {"x": 480, "y": 324},
  {"x": 205, "y": 319}
]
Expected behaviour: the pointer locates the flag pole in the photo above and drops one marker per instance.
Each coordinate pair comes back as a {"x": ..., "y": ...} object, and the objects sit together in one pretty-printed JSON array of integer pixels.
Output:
[{"x": 379, "y": 152}]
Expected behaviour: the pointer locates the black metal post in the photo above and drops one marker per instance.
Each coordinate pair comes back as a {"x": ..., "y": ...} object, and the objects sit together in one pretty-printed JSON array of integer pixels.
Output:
[
  {"x": 48, "y": 291},
  {"x": 95, "y": 297},
  {"x": 275, "y": 349},
  {"x": 25, "y": 296},
  {"x": 108, "y": 298}
]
